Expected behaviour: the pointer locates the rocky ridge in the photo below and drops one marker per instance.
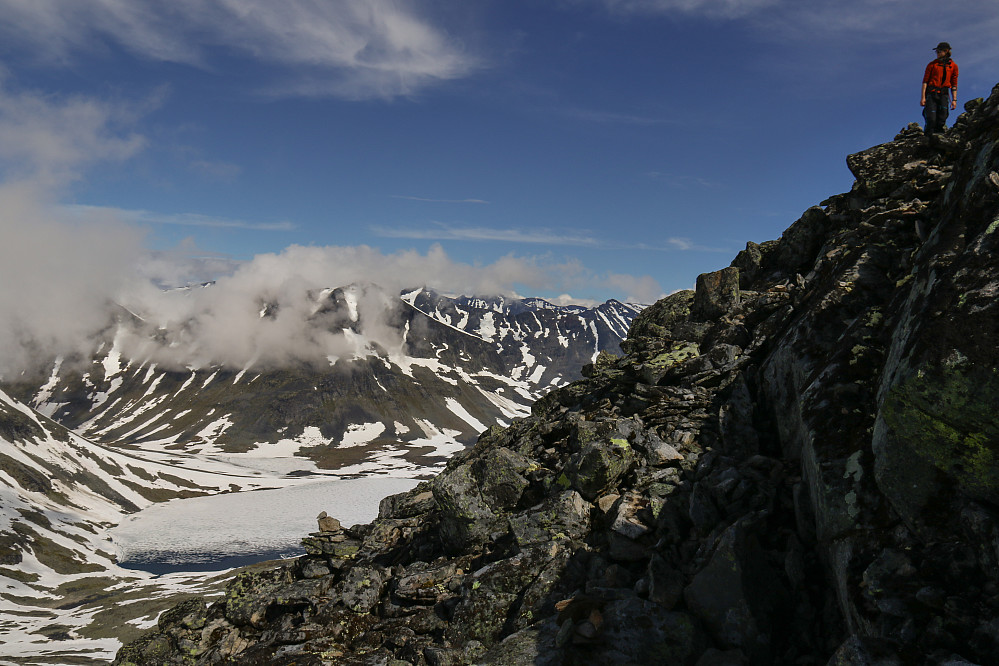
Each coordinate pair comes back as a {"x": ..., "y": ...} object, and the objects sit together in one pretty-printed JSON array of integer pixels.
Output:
[{"x": 794, "y": 463}]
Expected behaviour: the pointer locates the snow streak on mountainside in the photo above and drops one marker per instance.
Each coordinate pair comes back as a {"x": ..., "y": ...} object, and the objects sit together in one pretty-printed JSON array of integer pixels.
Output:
[
  {"x": 58, "y": 494},
  {"x": 395, "y": 371}
]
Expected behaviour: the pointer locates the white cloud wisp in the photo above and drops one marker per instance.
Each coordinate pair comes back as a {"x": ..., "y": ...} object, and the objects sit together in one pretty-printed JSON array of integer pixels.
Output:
[{"x": 355, "y": 49}]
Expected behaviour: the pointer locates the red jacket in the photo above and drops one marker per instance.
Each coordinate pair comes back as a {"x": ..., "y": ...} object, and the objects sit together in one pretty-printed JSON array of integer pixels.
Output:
[{"x": 941, "y": 75}]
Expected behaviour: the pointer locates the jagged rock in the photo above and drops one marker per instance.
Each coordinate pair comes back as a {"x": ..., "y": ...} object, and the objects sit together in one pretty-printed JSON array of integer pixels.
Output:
[
  {"x": 328, "y": 523},
  {"x": 499, "y": 594},
  {"x": 627, "y": 521},
  {"x": 417, "y": 501},
  {"x": 249, "y": 595},
  {"x": 659, "y": 319},
  {"x": 749, "y": 263},
  {"x": 800, "y": 243},
  {"x": 362, "y": 588},
  {"x": 665, "y": 584},
  {"x": 563, "y": 516},
  {"x": 862, "y": 651},
  {"x": 717, "y": 293},
  {"x": 424, "y": 584},
  {"x": 882, "y": 169},
  {"x": 534, "y": 645},
  {"x": 598, "y": 466},
  {"x": 465, "y": 497}
]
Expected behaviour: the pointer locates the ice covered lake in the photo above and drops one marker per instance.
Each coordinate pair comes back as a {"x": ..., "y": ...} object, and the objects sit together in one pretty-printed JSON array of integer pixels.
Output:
[{"x": 224, "y": 531}]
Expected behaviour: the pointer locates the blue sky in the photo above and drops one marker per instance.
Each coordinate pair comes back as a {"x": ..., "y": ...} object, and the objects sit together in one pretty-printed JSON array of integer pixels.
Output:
[{"x": 589, "y": 148}]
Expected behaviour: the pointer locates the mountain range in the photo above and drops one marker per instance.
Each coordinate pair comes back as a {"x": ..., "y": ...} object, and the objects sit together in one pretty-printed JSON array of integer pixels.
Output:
[
  {"x": 436, "y": 365},
  {"x": 88, "y": 440}
]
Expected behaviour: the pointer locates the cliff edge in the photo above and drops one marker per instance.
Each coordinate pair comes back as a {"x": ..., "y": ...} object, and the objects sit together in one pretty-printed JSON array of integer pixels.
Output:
[{"x": 796, "y": 463}]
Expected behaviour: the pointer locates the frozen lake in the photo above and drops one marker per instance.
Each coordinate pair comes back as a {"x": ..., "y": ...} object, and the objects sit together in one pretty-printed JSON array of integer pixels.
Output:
[{"x": 234, "y": 529}]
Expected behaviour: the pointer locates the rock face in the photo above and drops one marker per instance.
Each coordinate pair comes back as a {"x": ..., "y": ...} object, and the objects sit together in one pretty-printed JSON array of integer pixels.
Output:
[{"x": 795, "y": 464}]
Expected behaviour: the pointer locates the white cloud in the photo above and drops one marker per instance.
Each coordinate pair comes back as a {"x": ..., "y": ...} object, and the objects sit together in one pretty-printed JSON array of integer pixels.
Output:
[
  {"x": 49, "y": 140},
  {"x": 145, "y": 217},
  {"x": 348, "y": 48},
  {"x": 471, "y": 201},
  {"x": 637, "y": 289},
  {"x": 223, "y": 323},
  {"x": 568, "y": 299},
  {"x": 539, "y": 236},
  {"x": 970, "y": 25},
  {"x": 58, "y": 277},
  {"x": 719, "y": 8},
  {"x": 439, "y": 231},
  {"x": 218, "y": 171}
]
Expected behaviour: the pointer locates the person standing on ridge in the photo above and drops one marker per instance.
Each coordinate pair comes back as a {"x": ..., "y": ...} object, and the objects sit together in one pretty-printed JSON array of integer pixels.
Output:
[{"x": 939, "y": 89}]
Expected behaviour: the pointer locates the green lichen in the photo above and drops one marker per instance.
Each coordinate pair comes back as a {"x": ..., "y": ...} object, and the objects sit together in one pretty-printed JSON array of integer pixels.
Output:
[
  {"x": 620, "y": 443},
  {"x": 946, "y": 417},
  {"x": 857, "y": 353},
  {"x": 679, "y": 353},
  {"x": 563, "y": 481},
  {"x": 993, "y": 226}
]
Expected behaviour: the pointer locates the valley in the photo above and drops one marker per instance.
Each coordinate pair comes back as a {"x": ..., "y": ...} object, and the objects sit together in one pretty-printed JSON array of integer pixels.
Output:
[{"x": 127, "y": 475}]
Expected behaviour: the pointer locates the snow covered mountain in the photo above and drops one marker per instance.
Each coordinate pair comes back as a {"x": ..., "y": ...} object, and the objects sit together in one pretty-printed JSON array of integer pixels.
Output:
[
  {"x": 399, "y": 373},
  {"x": 94, "y": 442}
]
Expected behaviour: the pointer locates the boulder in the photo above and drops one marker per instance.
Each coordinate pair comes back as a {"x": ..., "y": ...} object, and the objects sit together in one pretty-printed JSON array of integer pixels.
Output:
[
  {"x": 328, "y": 523},
  {"x": 716, "y": 294},
  {"x": 598, "y": 466}
]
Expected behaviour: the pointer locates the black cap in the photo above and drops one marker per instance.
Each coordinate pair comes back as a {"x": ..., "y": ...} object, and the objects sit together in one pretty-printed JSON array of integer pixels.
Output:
[{"x": 942, "y": 46}]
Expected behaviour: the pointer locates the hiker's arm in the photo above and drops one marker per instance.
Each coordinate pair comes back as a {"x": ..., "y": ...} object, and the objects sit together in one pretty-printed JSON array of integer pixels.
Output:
[
  {"x": 922, "y": 96},
  {"x": 953, "y": 88}
]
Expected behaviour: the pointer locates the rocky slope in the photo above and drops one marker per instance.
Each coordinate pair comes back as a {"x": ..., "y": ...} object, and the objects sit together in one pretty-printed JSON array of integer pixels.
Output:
[{"x": 795, "y": 463}]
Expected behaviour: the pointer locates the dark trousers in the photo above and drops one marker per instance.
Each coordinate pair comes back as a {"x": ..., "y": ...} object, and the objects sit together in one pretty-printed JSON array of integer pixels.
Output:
[{"x": 936, "y": 110}]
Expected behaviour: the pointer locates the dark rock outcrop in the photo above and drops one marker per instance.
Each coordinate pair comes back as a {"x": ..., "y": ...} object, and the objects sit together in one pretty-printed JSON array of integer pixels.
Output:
[{"x": 795, "y": 464}]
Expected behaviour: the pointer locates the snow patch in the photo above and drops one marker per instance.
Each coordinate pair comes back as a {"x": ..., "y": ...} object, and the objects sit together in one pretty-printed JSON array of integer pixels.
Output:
[
  {"x": 463, "y": 414},
  {"x": 359, "y": 434}
]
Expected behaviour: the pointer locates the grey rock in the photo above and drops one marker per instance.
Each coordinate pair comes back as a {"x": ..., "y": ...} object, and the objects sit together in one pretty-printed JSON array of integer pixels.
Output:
[
  {"x": 565, "y": 516},
  {"x": 328, "y": 523},
  {"x": 362, "y": 587},
  {"x": 717, "y": 293},
  {"x": 596, "y": 468}
]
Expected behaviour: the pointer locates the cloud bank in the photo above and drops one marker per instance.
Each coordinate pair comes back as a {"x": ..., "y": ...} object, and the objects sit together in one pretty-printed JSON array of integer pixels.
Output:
[
  {"x": 69, "y": 270},
  {"x": 354, "y": 49}
]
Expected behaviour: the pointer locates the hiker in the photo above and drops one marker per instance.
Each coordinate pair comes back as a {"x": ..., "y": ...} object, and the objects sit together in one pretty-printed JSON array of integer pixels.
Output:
[{"x": 939, "y": 89}]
